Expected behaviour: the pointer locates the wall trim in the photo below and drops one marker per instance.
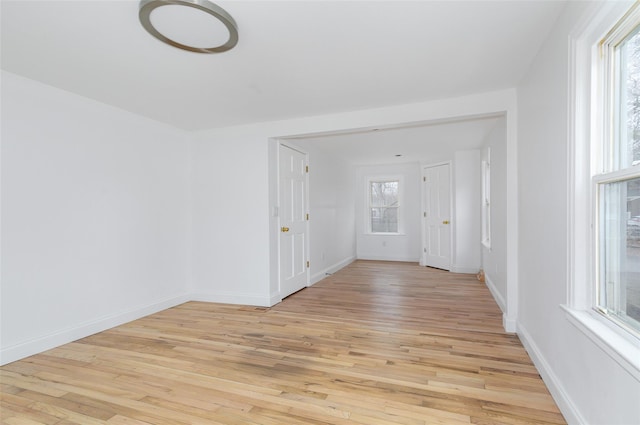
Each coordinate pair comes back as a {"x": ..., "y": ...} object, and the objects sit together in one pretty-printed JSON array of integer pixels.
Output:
[
  {"x": 510, "y": 325},
  {"x": 388, "y": 258},
  {"x": 317, "y": 277},
  {"x": 64, "y": 336},
  {"x": 496, "y": 294},
  {"x": 561, "y": 397},
  {"x": 464, "y": 270},
  {"x": 228, "y": 297},
  {"x": 274, "y": 299},
  {"x": 609, "y": 337}
]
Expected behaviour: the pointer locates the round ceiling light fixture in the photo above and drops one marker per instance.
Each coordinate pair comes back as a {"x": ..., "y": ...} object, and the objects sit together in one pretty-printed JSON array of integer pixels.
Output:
[{"x": 179, "y": 30}]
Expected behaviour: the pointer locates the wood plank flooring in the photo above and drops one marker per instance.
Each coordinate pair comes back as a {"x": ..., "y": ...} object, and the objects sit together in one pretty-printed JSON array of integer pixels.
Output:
[{"x": 376, "y": 343}]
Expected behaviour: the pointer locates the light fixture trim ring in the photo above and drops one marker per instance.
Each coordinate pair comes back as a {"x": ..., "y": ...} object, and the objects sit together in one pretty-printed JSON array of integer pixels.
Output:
[{"x": 147, "y": 6}]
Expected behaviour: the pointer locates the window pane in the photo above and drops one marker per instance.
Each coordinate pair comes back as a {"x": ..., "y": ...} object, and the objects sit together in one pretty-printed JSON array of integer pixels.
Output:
[
  {"x": 619, "y": 291},
  {"x": 384, "y": 194},
  {"x": 628, "y": 149},
  {"x": 486, "y": 203},
  {"x": 384, "y": 220}
]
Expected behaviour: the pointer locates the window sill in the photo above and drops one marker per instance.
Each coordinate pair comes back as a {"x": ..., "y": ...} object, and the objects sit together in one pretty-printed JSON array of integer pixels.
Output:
[{"x": 617, "y": 343}]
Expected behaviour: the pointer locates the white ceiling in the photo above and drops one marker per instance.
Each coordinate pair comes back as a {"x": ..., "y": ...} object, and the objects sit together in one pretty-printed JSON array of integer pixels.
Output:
[
  {"x": 294, "y": 58},
  {"x": 425, "y": 142}
]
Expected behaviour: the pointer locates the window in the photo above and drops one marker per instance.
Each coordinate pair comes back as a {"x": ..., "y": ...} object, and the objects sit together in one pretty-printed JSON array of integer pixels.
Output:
[
  {"x": 383, "y": 205},
  {"x": 602, "y": 269},
  {"x": 616, "y": 177},
  {"x": 486, "y": 200}
]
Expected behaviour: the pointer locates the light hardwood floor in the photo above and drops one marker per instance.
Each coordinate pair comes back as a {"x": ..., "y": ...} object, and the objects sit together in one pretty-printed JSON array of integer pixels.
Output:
[{"x": 376, "y": 343}]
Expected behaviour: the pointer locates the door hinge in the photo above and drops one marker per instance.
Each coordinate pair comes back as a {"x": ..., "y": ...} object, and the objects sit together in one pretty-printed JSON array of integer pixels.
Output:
[
  {"x": 424, "y": 179},
  {"x": 306, "y": 168},
  {"x": 308, "y": 264},
  {"x": 307, "y": 217},
  {"x": 425, "y": 214}
]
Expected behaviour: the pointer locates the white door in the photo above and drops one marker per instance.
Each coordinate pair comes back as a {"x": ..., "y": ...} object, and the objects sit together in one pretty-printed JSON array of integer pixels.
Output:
[
  {"x": 293, "y": 221},
  {"x": 437, "y": 217}
]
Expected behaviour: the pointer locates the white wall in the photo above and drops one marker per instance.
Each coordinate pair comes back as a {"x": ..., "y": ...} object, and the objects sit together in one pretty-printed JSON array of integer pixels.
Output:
[
  {"x": 495, "y": 259},
  {"x": 467, "y": 231},
  {"x": 401, "y": 247},
  {"x": 590, "y": 386},
  {"x": 94, "y": 217},
  {"x": 332, "y": 232},
  {"x": 230, "y": 246}
]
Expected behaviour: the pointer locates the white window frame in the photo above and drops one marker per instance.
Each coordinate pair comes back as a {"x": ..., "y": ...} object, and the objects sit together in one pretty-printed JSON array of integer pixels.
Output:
[
  {"x": 486, "y": 200},
  {"x": 368, "y": 206},
  {"x": 587, "y": 126},
  {"x": 606, "y": 150}
]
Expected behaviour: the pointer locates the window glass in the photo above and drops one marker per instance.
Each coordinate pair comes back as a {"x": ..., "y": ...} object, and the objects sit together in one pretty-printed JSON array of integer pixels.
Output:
[
  {"x": 383, "y": 206},
  {"x": 384, "y": 194},
  {"x": 617, "y": 184},
  {"x": 619, "y": 291},
  {"x": 486, "y": 200},
  {"x": 384, "y": 220},
  {"x": 628, "y": 152}
]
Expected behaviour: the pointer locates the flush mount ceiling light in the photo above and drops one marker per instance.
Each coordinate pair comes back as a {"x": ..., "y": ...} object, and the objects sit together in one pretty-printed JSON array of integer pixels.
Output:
[{"x": 193, "y": 25}]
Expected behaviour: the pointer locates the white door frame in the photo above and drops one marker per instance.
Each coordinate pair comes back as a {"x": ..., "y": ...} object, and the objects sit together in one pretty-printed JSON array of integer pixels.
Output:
[
  {"x": 277, "y": 213},
  {"x": 424, "y": 208}
]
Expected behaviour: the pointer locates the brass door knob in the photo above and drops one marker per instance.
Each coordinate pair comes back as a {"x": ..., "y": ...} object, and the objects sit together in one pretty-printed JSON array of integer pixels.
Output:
[
  {"x": 445, "y": 222},
  {"x": 285, "y": 229}
]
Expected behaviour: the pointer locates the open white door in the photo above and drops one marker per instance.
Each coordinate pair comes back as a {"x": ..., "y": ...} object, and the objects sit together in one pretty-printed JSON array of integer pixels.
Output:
[
  {"x": 293, "y": 220},
  {"x": 437, "y": 216}
]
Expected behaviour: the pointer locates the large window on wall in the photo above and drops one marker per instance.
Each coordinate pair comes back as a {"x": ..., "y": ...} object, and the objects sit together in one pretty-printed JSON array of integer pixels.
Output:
[
  {"x": 383, "y": 205},
  {"x": 616, "y": 177}
]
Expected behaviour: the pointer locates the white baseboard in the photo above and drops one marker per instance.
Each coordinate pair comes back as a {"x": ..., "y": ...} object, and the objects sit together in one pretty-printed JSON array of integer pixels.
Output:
[
  {"x": 375, "y": 257},
  {"x": 317, "y": 277},
  {"x": 464, "y": 270},
  {"x": 228, "y": 297},
  {"x": 274, "y": 299},
  {"x": 497, "y": 296},
  {"x": 510, "y": 325},
  {"x": 65, "y": 336},
  {"x": 562, "y": 399}
]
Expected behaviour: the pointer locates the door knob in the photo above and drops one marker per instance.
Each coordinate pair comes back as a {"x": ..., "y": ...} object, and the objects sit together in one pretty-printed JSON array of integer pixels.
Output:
[
  {"x": 445, "y": 222},
  {"x": 285, "y": 229}
]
